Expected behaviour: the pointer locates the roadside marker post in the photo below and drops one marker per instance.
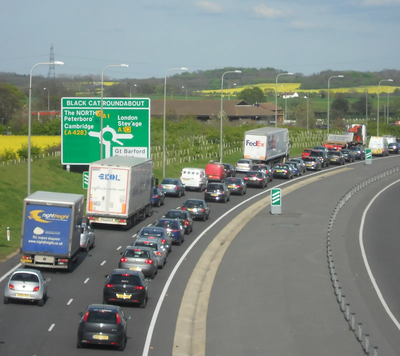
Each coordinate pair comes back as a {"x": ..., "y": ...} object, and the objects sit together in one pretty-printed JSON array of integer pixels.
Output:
[
  {"x": 368, "y": 156},
  {"x": 276, "y": 201},
  {"x": 8, "y": 234},
  {"x": 85, "y": 180}
]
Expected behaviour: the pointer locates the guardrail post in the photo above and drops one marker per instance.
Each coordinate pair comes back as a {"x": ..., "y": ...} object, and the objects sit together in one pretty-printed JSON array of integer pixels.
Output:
[
  {"x": 353, "y": 321},
  {"x": 367, "y": 344},
  {"x": 347, "y": 312},
  {"x": 376, "y": 351},
  {"x": 359, "y": 332}
]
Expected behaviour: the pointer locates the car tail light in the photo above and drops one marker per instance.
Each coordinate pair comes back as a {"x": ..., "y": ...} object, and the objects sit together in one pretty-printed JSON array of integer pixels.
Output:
[
  {"x": 284, "y": 171},
  {"x": 202, "y": 210},
  {"x": 175, "y": 230},
  {"x": 118, "y": 318},
  {"x": 259, "y": 179},
  {"x": 148, "y": 262},
  {"x": 139, "y": 287},
  {"x": 156, "y": 196},
  {"x": 163, "y": 241},
  {"x": 63, "y": 260},
  {"x": 125, "y": 274},
  {"x": 150, "y": 237},
  {"x": 160, "y": 186},
  {"x": 109, "y": 285},
  {"x": 36, "y": 289},
  {"x": 205, "y": 190},
  {"x": 186, "y": 222},
  {"x": 85, "y": 316},
  {"x": 11, "y": 286},
  {"x": 239, "y": 186},
  {"x": 123, "y": 259},
  {"x": 158, "y": 253},
  {"x": 26, "y": 258},
  {"x": 246, "y": 178},
  {"x": 183, "y": 208}
]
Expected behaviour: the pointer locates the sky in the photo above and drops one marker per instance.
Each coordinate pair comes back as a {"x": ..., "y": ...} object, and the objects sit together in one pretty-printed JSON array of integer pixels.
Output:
[{"x": 153, "y": 36}]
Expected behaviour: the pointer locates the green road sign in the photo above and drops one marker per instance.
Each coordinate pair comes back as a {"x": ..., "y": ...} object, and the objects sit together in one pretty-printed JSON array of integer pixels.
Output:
[
  {"x": 126, "y": 129},
  {"x": 368, "y": 153},
  {"x": 85, "y": 180},
  {"x": 276, "y": 197}
]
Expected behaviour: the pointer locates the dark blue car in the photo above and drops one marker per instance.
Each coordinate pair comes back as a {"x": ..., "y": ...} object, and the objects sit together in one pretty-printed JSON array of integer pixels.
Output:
[
  {"x": 174, "y": 229},
  {"x": 158, "y": 197}
]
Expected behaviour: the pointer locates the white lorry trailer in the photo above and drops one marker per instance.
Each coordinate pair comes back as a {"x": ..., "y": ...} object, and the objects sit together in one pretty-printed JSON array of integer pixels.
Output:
[
  {"x": 120, "y": 191},
  {"x": 268, "y": 145},
  {"x": 51, "y": 229}
]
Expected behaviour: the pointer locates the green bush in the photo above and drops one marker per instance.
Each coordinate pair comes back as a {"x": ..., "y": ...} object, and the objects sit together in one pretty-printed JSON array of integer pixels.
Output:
[
  {"x": 7, "y": 154},
  {"x": 23, "y": 151}
]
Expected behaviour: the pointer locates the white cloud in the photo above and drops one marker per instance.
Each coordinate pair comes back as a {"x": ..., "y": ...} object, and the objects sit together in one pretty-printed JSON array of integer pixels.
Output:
[
  {"x": 209, "y": 7},
  {"x": 267, "y": 12},
  {"x": 300, "y": 25},
  {"x": 381, "y": 2}
]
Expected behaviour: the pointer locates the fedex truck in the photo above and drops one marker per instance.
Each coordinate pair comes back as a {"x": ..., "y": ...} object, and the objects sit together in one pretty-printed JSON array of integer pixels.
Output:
[
  {"x": 267, "y": 145},
  {"x": 120, "y": 191},
  {"x": 51, "y": 229}
]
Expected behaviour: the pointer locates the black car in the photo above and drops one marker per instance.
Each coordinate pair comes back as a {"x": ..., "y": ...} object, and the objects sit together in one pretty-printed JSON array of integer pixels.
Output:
[
  {"x": 393, "y": 147},
  {"x": 236, "y": 185},
  {"x": 158, "y": 197},
  {"x": 301, "y": 162},
  {"x": 217, "y": 192},
  {"x": 256, "y": 179},
  {"x": 348, "y": 155},
  {"x": 359, "y": 152},
  {"x": 230, "y": 170},
  {"x": 283, "y": 170},
  {"x": 102, "y": 324},
  {"x": 198, "y": 208},
  {"x": 264, "y": 168},
  {"x": 184, "y": 217},
  {"x": 322, "y": 156},
  {"x": 125, "y": 286},
  {"x": 336, "y": 157}
]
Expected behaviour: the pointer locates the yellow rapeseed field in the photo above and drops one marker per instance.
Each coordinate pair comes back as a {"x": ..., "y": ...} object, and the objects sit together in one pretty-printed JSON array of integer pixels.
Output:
[{"x": 14, "y": 143}]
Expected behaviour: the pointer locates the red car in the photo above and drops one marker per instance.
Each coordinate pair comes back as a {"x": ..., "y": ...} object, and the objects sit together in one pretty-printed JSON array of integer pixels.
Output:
[{"x": 306, "y": 153}]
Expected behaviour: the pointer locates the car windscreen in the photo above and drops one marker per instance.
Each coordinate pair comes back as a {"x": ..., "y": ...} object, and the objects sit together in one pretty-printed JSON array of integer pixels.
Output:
[
  {"x": 148, "y": 244},
  {"x": 125, "y": 279},
  {"x": 136, "y": 253},
  {"x": 25, "y": 277},
  {"x": 105, "y": 317}
]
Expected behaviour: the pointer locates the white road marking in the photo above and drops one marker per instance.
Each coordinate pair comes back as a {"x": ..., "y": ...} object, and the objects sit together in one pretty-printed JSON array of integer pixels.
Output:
[
  {"x": 364, "y": 255},
  {"x": 134, "y": 235},
  {"x": 10, "y": 271},
  {"x": 119, "y": 247},
  {"x": 51, "y": 327},
  {"x": 70, "y": 301},
  {"x": 87, "y": 279},
  {"x": 103, "y": 263},
  {"x": 149, "y": 225}
]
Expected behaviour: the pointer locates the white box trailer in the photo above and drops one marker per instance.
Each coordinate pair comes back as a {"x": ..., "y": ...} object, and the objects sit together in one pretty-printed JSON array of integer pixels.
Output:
[
  {"x": 120, "y": 190},
  {"x": 268, "y": 145}
]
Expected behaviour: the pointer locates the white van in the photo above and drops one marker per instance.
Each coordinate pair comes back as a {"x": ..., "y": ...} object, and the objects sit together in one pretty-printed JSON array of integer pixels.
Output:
[
  {"x": 194, "y": 178},
  {"x": 378, "y": 146}
]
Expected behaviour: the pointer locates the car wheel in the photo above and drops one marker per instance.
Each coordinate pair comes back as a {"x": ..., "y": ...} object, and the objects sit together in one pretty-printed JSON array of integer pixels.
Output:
[
  {"x": 78, "y": 344},
  {"x": 229, "y": 198},
  {"x": 242, "y": 192},
  {"x": 180, "y": 242},
  {"x": 122, "y": 346},
  {"x": 87, "y": 248},
  {"x": 204, "y": 217},
  {"x": 183, "y": 192},
  {"x": 144, "y": 303},
  {"x": 179, "y": 194},
  {"x": 5, "y": 300},
  {"x": 187, "y": 231},
  {"x": 159, "y": 203}
]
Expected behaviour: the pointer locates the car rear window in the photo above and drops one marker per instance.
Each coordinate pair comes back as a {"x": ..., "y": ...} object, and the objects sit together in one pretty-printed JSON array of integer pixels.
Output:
[
  {"x": 169, "y": 181},
  {"x": 102, "y": 316},
  {"x": 125, "y": 279},
  {"x": 149, "y": 244},
  {"x": 243, "y": 161},
  {"x": 193, "y": 204},
  {"x": 152, "y": 232},
  {"x": 215, "y": 187},
  {"x": 25, "y": 277},
  {"x": 253, "y": 174},
  {"x": 176, "y": 215},
  {"x": 168, "y": 223},
  {"x": 233, "y": 180},
  {"x": 136, "y": 253}
]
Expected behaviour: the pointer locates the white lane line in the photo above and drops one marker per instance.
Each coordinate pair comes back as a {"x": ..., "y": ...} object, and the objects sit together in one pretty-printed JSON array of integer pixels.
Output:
[
  {"x": 70, "y": 301},
  {"x": 134, "y": 235},
  {"x": 103, "y": 263},
  {"x": 87, "y": 279},
  {"x": 364, "y": 255},
  {"x": 119, "y": 247},
  {"x": 149, "y": 225},
  {"x": 51, "y": 327},
  {"x": 10, "y": 271}
]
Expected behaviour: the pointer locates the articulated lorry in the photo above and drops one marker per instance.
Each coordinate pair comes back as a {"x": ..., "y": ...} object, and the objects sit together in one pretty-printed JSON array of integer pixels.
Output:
[
  {"x": 267, "y": 145},
  {"x": 51, "y": 229},
  {"x": 356, "y": 135},
  {"x": 120, "y": 191}
]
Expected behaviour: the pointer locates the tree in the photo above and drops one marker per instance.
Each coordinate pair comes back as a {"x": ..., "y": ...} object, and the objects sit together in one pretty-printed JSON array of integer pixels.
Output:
[
  {"x": 340, "y": 104},
  {"x": 11, "y": 101},
  {"x": 360, "y": 105},
  {"x": 252, "y": 96}
]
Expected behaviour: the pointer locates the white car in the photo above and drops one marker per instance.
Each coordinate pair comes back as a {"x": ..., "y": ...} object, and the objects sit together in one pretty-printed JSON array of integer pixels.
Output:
[{"x": 87, "y": 237}]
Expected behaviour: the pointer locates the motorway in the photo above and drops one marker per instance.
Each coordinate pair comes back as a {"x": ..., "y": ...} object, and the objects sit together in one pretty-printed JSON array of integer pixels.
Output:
[{"x": 267, "y": 291}]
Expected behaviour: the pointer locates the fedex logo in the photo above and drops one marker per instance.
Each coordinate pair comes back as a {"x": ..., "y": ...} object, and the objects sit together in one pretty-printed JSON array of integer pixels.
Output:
[
  {"x": 255, "y": 143},
  {"x": 109, "y": 177}
]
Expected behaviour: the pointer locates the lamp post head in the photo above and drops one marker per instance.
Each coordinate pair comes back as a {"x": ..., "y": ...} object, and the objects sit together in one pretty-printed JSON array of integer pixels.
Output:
[
  {"x": 58, "y": 63},
  {"x": 340, "y": 76},
  {"x": 238, "y": 71},
  {"x": 124, "y": 65},
  {"x": 390, "y": 80},
  {"x": 289, "y": 73},
  {"x": 183, "y": 68}
]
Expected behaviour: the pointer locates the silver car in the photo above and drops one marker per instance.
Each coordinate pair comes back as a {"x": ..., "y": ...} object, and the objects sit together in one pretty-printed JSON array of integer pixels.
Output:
[
  {"x": 26, "y": 284},
  {"x": 139, "y": 259},
  {"x": 244, "y": 165},
  {"x": 159, "y": 249},
  {"x": 87, "y": 237}
]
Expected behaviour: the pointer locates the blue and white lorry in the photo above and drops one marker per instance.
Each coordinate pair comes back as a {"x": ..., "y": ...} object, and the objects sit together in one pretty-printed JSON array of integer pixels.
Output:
[{"x": 51, "y": 229}]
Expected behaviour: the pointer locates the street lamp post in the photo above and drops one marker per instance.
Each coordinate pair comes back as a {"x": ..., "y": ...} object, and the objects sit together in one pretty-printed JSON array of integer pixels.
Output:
[
  {"x": 222, "y": 108},
  {"x": 276, "y": 97},
  {"x": 130, "y": 90},
  {"x": 366, "y": 108},
  {"x": 387, "y": 108},
  {"x": 48, "y": 98},
  {"x": 101, "y": 110},
  {"x": 165, "y": 109},
  {"x": 30, "y": 118},
  {"x": 308, "y": 107},
  {"x": 183, "y": 87},
  {"x": 377, "y": 113},
  {"x": 329, "y": 81}
]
